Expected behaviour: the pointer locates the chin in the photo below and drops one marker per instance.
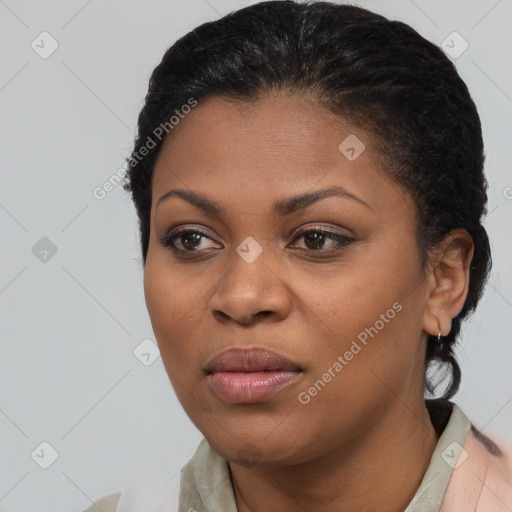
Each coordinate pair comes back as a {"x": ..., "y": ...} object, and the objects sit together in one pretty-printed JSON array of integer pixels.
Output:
[{"x": 252, "y": 448}]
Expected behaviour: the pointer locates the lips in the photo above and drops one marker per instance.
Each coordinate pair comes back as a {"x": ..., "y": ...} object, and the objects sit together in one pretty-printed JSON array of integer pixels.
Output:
[
  {"x": 250, "y": 360},
  {"x": 250, "y": 375}
]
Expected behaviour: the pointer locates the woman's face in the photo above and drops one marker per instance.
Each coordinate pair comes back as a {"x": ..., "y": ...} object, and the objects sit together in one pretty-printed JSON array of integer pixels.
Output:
[{"x": 347, "y": 311}]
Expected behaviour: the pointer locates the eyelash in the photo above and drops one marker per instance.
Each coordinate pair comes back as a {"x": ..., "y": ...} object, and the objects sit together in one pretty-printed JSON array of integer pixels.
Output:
[{"x": 168, "y": 240}]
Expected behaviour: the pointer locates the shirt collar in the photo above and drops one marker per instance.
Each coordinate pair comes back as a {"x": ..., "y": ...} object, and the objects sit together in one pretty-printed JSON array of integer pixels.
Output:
[{"x": 206, "y": 484}]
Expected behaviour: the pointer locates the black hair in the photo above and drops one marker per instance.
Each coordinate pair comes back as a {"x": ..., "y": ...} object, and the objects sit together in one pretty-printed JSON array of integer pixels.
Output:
[{"x": 380, "y": 75}]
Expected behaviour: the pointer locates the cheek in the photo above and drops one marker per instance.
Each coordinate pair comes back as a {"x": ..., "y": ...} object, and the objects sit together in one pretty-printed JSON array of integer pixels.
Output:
[
  {"x": 350, "y": 297},
  {"x": 171, "y": 291},
  {"x": 173, "y": 310},
  {"x": 371, "y": 312},
  {"x": 172, "y": 304}
]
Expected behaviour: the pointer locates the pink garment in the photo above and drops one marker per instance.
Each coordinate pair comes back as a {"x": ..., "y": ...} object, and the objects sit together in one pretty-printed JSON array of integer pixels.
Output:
[{"x": 481, "y": 483}]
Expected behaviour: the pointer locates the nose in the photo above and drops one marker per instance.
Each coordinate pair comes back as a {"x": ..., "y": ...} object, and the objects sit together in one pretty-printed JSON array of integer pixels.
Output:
[{"x": 251, "y": 292}]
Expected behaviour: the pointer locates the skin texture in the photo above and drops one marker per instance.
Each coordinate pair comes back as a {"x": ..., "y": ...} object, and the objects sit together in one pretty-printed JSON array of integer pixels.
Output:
[{"x": 365, "y": 440}]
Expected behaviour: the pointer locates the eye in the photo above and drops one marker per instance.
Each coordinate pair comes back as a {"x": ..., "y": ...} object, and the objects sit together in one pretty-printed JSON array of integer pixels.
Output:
[
  {"x": 315, "y": 240},
  {"x": 191, "y": 241}
]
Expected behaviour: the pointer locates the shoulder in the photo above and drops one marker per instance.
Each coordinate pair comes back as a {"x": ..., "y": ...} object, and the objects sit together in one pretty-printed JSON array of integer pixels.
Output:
[
  {"x": 105, "y": 504},
  {"x": 497, "y": 485},
  {"x": 482, "y": 476}
]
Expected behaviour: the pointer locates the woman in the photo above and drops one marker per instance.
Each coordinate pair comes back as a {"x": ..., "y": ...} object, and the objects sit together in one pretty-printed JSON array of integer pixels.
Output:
[{"x": 309, "y": 184}]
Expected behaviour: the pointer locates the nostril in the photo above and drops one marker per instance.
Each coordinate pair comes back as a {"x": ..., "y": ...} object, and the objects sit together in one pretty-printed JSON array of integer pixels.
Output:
[{"x": 264, "y": 313}]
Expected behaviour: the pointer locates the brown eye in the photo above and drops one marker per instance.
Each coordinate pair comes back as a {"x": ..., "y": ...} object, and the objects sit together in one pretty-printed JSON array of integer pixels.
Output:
[
  {"x": 190, "y": 241},
  {"x": 316, "y": 239}
]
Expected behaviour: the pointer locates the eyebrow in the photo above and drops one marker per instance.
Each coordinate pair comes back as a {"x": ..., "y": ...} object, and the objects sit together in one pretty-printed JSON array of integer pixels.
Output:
[{"x": 283, "y": 207}]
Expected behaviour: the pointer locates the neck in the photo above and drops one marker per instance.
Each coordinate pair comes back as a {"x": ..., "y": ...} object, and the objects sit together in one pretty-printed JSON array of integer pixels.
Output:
[{"x": 379, "y": 471}]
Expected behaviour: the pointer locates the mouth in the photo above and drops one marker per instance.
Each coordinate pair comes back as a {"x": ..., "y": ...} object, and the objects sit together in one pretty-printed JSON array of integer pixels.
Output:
[{"x": 250, "y": 375}]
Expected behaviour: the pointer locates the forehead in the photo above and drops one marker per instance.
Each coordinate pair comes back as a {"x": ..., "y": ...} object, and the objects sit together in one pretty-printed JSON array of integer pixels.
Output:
[
  {"x": 280, "y": 143},
  {"x": 278, "y": 124}
]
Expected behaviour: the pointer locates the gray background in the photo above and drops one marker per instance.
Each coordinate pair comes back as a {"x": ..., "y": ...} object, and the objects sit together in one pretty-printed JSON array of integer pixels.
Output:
[{"x": 70, "y": 323}]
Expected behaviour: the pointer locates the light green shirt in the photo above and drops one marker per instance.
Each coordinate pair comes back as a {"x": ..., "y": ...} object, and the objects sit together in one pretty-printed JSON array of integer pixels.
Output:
[{"x": 205, "y": 484}]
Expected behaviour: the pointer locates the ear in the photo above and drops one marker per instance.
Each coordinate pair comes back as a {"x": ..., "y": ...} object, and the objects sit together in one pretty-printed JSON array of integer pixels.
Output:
[{"x": 447, "y": 281}]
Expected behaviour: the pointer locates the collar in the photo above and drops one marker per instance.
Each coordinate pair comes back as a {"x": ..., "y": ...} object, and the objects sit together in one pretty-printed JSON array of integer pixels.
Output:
[{"x": 206, "y": 486}]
